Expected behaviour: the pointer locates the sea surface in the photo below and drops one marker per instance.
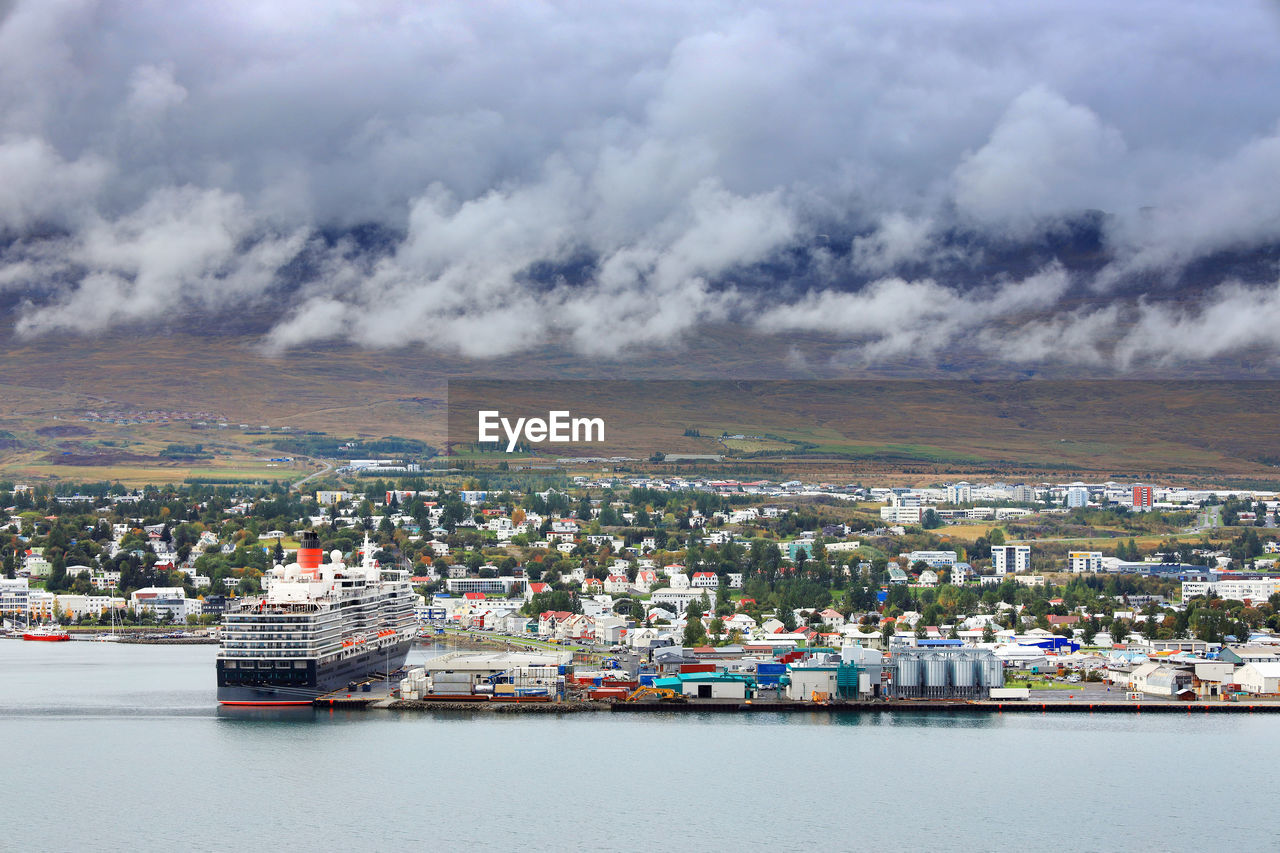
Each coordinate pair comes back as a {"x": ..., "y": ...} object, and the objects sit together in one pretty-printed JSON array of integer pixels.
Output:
[{"x": 122, "y": 747}]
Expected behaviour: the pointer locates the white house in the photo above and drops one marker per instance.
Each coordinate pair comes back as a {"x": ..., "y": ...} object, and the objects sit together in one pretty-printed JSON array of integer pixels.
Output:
[
  {"x": 646, "y": 579},
  {"x": 833, "y": 618},
  {"x": 679, "y": 599},
  {"x": 162, "y": 602}
]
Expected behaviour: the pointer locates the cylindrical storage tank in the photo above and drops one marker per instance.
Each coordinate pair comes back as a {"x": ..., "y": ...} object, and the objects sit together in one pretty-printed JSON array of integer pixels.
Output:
[
  {"x": 935, "y": 674},
  {"x": 992, "y": 672},
  {"x": 962, "y": 676},
  {"x": 908, "y": 672}
]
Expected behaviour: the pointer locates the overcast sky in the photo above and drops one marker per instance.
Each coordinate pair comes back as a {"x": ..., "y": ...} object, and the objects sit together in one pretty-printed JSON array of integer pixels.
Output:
[{"x": 162, "y": 155}]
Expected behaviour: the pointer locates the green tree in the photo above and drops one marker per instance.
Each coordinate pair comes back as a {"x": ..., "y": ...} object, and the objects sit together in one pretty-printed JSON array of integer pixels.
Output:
[{"x": 694, "y": 633}]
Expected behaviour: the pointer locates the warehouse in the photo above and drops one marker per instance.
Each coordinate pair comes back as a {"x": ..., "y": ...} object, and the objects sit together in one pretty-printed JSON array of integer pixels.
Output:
[
  {"x": 707, "y": 685},
  {"x": 466, "y": 672},
  {"x": 1259, "y": 678}
]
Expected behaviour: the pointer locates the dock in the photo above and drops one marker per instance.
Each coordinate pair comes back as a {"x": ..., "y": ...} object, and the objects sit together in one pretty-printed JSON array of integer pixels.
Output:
[{"x": 953, "y": 707}]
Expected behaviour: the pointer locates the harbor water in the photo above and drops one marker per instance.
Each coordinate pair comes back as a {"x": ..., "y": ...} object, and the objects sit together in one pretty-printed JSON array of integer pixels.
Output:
[{"x": 114, "y": 747}]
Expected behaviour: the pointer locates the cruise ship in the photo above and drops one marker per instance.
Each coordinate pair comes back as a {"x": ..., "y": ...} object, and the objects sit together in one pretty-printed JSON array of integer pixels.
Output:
[{"x": 315, "y": 628}]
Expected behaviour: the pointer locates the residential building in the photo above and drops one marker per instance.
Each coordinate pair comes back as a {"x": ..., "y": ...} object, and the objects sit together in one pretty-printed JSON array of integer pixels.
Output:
[
  {"x": 1084, "y": 561},
  {"x": 1011, "y": 559},
  {"x": 14, "y": 597},
  {"x": 935, "y": 559},
  {"x": 1235, "y": 589},
  {"x": 488, "y": 586},
  {"x": 900, "y": 514},
  {"x": 163, "y": 602},
  {"x": 678, "y": 599}
]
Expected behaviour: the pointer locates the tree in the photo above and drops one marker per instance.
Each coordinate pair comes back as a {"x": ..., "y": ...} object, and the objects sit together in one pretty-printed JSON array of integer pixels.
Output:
[
  {"x": 988, "y": 635},
  {"x": 694, "y": 633},
  {"x": 57, "y": 574},
  {"x": 1119, "y": 630},
  {"x": 996, "y": 536}
]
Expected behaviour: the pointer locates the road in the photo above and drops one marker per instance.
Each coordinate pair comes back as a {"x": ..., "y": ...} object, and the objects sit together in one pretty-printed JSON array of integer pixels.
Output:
[
  {"x": 328, "y": 466},
  {"x": 1209, "y": 519}
]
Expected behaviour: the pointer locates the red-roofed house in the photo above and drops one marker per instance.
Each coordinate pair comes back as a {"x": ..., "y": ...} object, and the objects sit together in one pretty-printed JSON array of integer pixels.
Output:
[
  {"x": 617, "y": 585},
  {"x": 550, "y": 620},
  {"x": 534, "y": 587},
  {"x": 591, "y": 586},
  {"x": 646, "y": 580},
  {"x": 705, "y": 580}
]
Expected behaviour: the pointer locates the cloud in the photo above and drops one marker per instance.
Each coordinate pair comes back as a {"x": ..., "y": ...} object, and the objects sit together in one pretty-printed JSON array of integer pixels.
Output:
[
  {"x": 152, "y": 92},
  {"x": 40, "y": 187},
  {"x": 601, "y": 178},
  {"x": 1046, "y": 157},
  {"x": 184, "y": 249},
  {"x": 898, "y": 239},
  {"x": 894, "y": 317}
]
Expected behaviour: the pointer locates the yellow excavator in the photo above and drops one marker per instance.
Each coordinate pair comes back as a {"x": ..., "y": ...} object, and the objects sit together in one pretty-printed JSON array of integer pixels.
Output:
[{"x": 660, "y": 693}]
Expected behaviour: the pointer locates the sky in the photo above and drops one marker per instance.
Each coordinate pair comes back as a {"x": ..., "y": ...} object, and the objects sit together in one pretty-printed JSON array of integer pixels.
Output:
[{"x": 174, "y": 159}]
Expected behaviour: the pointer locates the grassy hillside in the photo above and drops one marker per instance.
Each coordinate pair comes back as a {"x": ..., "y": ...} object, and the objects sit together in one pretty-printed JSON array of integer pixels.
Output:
[{"x": 913, "y": 430}]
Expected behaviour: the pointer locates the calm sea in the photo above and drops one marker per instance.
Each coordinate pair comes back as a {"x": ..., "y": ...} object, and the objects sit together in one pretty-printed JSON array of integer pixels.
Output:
[{"x": 117, "y": 747}]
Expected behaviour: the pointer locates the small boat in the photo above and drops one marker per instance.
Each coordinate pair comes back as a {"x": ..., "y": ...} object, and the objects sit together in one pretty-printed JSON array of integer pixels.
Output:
[{"x": 47, "y": 634}]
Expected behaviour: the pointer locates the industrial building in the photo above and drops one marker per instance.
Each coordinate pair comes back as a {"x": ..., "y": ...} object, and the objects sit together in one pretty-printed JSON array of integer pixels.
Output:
[
  {"x": 944, "y": 673},
  {"x": 708, "y": 685},
  {"x": 466, "y": 673}
]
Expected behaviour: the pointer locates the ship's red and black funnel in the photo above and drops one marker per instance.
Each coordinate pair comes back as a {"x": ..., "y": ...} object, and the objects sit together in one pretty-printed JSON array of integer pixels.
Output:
[{"x": 309, "y": 552}]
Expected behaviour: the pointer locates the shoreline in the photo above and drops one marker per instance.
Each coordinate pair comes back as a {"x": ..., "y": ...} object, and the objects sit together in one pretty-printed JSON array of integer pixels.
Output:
[{"x": 736, "y": 707}]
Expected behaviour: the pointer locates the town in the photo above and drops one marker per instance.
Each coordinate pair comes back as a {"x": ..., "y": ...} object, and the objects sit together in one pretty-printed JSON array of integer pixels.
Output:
[{"x": 685, "y": 588}]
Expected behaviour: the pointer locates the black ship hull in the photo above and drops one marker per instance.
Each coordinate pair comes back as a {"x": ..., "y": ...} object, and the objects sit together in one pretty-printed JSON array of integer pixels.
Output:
[{"x": 260, "y": 682}]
